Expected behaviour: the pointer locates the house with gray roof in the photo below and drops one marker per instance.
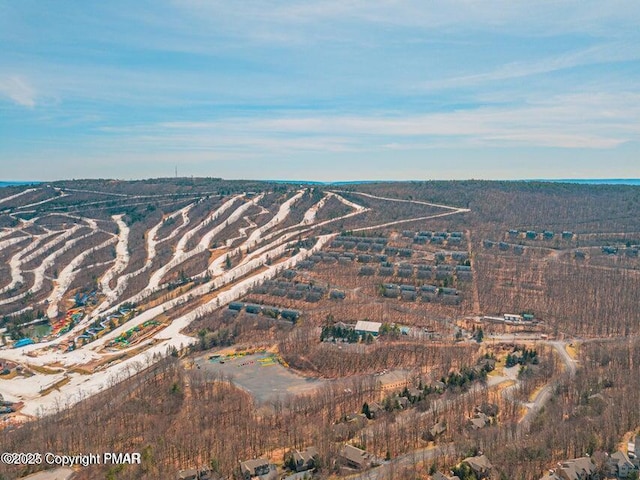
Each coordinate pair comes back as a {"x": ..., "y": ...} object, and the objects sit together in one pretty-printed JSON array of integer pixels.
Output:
[
  {"x": 442, "y": 476},
  {"x": 480, "y": 465},
  {"x": 581, "y": 468},
  {"x": 258, "y": 467},
  {"x": 354, "y": 457},
  {"x": 306, "y": 459},
  {"x": 435, "y": 431},
  {"x": 620, "y": 465},
  {"x": 375, "y": 409},
  {"x": 479, "y": 421},
  {"x": 189, "y": 474}
]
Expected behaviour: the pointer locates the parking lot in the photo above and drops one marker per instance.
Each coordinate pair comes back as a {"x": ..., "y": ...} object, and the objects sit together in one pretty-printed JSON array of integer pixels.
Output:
[{"x": 260, "y": 374}]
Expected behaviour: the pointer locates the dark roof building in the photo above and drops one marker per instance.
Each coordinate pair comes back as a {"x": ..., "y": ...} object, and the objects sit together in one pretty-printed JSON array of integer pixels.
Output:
[
  {"x": 306, "y": 459},
  {"x": 354, "y": 457},
  {"x": 480, "y": 465},
  {"x": 258, "y": 467}
]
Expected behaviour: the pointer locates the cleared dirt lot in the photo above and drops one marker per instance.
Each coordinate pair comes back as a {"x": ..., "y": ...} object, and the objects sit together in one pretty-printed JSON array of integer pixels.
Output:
[{"x": 260, "y": 374}]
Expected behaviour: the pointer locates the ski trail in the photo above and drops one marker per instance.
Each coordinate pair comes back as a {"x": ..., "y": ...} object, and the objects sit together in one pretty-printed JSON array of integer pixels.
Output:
[
  {"x": 348, "y": 203},
  {"x": 418, "y": 202},
  {"x": 242, "y": 231},
  {"x": 234, "y": 292},
  {"x": 234, "y": 217},
  {"x": 123, "y": 281},
  {"x": 283, "y": 213},
  {"x": 11, "y": 197},
  {"x": 67, "y": 275},
  {"x": 8, "y": 231},
  {"x": 310, "y": 215},
  {"x": 272, "y": 249},
  {"x": 256, "y": 260},
  {"x": 185, "y": 221},
  {"x": 122, "y": 255},
  {"x": 276, "y": 247},
  {"x": 48, "y": 262},
  {"x": 16, "y": 273},
  {"x": 181, "y": 256},
  {"x": 31, "y": 251},
  {"x": 154, "y": 282},
  {"x": 42, "y": 202},
  {"x": 182, "y": 243},
  {"x": 11, "y": 241}
]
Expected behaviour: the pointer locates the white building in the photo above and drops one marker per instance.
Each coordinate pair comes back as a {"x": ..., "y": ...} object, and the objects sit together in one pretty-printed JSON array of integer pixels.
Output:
[{"x": 363, "y": 327}]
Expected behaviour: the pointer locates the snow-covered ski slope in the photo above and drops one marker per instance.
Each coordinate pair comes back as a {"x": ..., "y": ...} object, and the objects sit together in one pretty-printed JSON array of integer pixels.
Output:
[{"x": 134, "y": 250}]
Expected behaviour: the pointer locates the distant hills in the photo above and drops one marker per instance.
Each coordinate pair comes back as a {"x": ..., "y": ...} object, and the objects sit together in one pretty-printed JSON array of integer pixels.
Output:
[
  {"x": 601, "y": 181},
  {"x": 582, "y": 181},
  {"x": 15, "y": 184}
]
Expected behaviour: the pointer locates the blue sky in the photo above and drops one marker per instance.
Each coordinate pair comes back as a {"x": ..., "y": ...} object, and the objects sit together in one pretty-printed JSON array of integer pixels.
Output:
[{"x": 333, "y": 90}]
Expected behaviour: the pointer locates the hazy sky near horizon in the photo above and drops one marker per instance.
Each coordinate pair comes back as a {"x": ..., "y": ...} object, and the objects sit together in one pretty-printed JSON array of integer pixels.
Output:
[{"x": 333, "y": 90}]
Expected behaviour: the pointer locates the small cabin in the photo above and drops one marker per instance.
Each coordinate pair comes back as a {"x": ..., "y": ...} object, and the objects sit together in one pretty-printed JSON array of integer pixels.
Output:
[
  {"x": 237, "y": 306},
  {"x": 424, "y": 274},
  {"x": 405, "y": 272},
  {"x": 367, "y": 271},
  {"x": 429, "y": 289},
  {"x": 363, "y": 247},
  {"x": 252, "y": 308},
  {"x": 385, "y": 271},
  {"x": 377, "y": 247},
  {"x": 291, "y": 315},
  {"x": 365, "y": 258}
]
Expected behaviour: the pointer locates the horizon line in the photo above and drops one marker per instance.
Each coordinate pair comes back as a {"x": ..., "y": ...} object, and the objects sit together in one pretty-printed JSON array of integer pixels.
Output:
[{"x": 336, "y": 182}]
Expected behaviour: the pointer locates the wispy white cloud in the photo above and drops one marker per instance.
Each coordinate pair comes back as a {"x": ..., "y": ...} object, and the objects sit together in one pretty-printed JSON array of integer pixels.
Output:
[
  {"x": 599, "y": 54},
  {"x": 535, "y": 17},
  {"x": 574, "y": 121},
  {"x": 18, "y": 90},
  {"x": 336, "y": 80}
]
